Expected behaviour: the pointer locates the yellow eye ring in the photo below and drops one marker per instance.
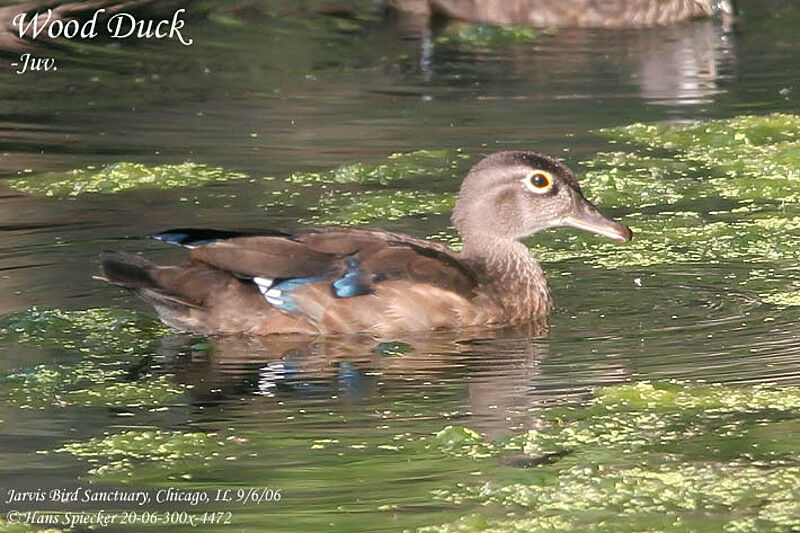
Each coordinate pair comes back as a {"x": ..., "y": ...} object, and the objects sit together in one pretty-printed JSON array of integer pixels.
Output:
[{"x": 539, "y": 181}]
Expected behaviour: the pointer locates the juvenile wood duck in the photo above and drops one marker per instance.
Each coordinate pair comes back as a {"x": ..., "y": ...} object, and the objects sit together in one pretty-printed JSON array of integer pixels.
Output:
[
  {"x": 348, "y": 280},
  {"x": 614, "y": 14}
]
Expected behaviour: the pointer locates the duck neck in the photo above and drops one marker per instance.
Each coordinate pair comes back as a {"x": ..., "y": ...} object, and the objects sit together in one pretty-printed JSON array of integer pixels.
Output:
[{"x": 509, "y": 274}]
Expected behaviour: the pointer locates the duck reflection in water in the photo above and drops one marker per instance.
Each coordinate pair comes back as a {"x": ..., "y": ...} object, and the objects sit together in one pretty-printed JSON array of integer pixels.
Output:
[
  {"x": 610, "y": 14},
  {"x": 679, "y": 63},
  {"x": 493, "y": 377}
]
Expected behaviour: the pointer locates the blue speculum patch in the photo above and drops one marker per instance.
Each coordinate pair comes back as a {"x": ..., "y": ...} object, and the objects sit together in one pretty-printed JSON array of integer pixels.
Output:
[
  {"x": 352, "y": 283},
  {"x": 280, "y": 295},
  {"x": 349, "y": 285}
]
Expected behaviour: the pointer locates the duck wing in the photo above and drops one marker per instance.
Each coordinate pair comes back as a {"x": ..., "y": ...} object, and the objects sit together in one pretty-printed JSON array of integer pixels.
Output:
[{"x": 352, "y": 261}]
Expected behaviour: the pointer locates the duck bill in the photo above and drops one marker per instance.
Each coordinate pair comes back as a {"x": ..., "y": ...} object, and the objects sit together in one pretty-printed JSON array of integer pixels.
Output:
[{"x": 587, "y": 217}]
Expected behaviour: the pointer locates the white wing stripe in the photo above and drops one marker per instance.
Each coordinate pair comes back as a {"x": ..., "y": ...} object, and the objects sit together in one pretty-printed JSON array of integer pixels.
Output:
[{"x": 263, "y": 284}]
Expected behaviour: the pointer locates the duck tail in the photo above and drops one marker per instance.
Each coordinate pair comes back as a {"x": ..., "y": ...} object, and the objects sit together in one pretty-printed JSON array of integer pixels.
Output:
[
  {"x": 127, "y": 270},
  {"x": 150, "y": 282}
]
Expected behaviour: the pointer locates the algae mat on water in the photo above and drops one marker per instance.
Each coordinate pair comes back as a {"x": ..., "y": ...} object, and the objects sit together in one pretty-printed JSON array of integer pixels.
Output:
[
  {"x": 7, "y": 527},
  {"x": 485, "y": 36},
  {"x": 341, "y": 206},
  {"x": 641, "y": 457},
  {"x": 109, "y": 341},
  {"x": 120, "y": 177},
  {"x": 664, "y": 456}
]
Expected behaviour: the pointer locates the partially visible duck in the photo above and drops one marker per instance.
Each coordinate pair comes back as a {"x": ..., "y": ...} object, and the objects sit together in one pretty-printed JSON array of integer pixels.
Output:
[
  {"x": 349, "y": 280},
  {"x": 614, "y": 14}
]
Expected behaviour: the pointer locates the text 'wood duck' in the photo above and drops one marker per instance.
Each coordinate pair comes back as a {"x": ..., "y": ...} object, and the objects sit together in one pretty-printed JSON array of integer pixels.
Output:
[{"x": 348, "y": 280}]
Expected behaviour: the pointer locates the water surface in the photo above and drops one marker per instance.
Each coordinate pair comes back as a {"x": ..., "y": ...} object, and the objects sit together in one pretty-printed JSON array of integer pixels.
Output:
[{"x": 292, "y": 118}]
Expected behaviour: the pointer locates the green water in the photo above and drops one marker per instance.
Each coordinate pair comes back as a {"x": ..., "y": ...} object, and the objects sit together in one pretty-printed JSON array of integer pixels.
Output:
[{"x": 664, "y": 397}]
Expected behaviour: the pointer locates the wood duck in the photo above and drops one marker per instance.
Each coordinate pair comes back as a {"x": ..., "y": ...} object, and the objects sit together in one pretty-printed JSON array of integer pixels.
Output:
[
  {"x": 613, "y": 14},
  {"x": 348, "y": 280}
]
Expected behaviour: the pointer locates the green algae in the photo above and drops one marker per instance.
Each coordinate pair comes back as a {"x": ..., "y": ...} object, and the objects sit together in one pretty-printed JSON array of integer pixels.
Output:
[
  {"x": 449, "y": 237},
  {"x": 686, "y": 237},
  {"x": 635, "y": 457},
  {"x": 786, "y": 299},
  {"x": 347, "y": 208},
  {"x": 87, "y": 384},
  {"x": 463, "y": 442},
  {"x": 743, "y": 158},
  {"x": 638, "y": 418},
  {"x": 175, "y": 452},
  {"x": 8, "y": 527},
  {"x": 675, "y": 396},
  {"x": 339, "y": 204},
  {"x": 698, "y": 137},
  {"x": 488, "y": 36},
  {"x": 398, "y": 166},
  {"x": 100, "y": 330},
  {"x": 119, "y": 177},
  {"x": 665, "y": 455},
  {"x": 622, "y": 179},
  {"x": 737, "y": 498},
  {"x": 392, "y": 349},
  {"x": 108, "y": 340},
  {"x": 215, "y": 455}
]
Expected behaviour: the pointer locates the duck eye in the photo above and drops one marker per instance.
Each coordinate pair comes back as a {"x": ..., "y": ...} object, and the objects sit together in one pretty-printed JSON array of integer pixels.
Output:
[{"x": 539, "y": 181}]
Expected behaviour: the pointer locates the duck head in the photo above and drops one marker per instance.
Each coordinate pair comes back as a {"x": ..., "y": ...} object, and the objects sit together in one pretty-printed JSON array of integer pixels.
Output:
[{"x": 512, "y": 195}]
